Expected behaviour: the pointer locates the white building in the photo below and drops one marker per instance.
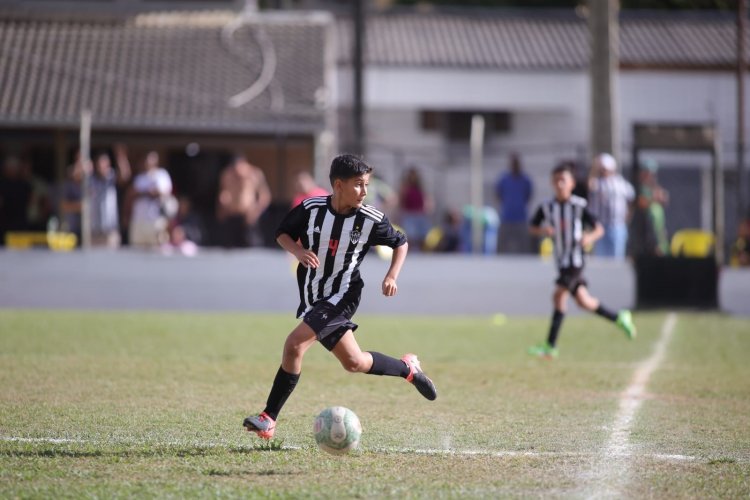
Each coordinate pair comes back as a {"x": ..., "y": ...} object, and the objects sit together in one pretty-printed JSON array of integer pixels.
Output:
[{"x": 527, "y": 70}]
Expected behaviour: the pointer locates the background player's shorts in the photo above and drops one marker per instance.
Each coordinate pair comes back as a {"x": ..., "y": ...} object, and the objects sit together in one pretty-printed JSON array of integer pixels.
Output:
[
  {"x": 571, "y": 278},
  {"x": 330, "y": 322}
]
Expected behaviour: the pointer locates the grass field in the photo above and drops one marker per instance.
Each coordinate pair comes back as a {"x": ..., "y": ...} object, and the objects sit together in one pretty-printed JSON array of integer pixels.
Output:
[{"x": 100, "y": 404}]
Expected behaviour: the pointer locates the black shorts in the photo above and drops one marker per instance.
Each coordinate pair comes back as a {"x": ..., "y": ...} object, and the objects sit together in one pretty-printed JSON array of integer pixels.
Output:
[
  {"x": 571, "y": 278},
  {"x": 330, "y": 322}
]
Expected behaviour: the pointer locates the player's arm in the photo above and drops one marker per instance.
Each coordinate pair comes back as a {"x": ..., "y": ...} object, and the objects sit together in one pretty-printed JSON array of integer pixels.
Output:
[
  {"x": 537, "y": 226},
  {"x": 306, "y": 257},
  {"x": 288, "y": 234},
  {"x": 595, "y": 233},
  {"x": 385, "y": 234},
  {"x": 397, "y": 261}
]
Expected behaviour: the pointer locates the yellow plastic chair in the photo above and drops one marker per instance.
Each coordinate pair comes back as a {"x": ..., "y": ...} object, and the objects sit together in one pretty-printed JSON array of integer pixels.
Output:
[
  {"x": 22, "y": 240},
  {"x": 546, "y": 247},
  {"x": 692, "y": 243},
  {"x": 432, "y": 240}
]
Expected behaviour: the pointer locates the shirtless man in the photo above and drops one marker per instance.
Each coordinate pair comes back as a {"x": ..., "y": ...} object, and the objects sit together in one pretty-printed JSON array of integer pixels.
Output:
[{"x": 243, "y": 197}]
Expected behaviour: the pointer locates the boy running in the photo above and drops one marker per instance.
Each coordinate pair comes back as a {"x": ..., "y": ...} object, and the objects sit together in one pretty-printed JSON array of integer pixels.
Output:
[
  {"x": 329, "y": 236},
  {"x": 573, "y": 228}
]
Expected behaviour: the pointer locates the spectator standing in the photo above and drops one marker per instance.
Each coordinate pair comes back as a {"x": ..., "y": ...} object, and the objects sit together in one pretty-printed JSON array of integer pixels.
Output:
[
  {"x": 243, "y": 197},
  {"x": 653, "y": 198},
  {"x": 415, "y": 206},
  {"x": 609, "y": 198},
  {"x": 71, "y": 198},
  {"x": 15, "y": 198},
  {"x": 105, "y": 217},
  {"x": 305, "y": 187},
  {"x": 740, "y": 252},
  {"x": 40, "y": 204},
  {"x": 151, "y": 194},
  {"x": 514, "y": 190}
]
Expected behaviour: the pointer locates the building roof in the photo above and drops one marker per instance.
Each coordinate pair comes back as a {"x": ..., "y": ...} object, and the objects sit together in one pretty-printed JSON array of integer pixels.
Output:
[
  {"x": 193, "y": 72},
  {"x": 533, "y": 39},
  {"x": 175, "y": 71}
]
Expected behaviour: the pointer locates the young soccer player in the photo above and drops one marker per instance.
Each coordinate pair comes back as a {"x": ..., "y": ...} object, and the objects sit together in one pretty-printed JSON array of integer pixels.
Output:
[
  {"x": 329, "y": 236},
  {"x": 572, "y": 228}
]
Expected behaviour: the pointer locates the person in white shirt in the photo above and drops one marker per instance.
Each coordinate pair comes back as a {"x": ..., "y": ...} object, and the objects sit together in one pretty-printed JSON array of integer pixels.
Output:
[
  {"x": 152, "y": 191},
  {"x": 610, "y": 196}
]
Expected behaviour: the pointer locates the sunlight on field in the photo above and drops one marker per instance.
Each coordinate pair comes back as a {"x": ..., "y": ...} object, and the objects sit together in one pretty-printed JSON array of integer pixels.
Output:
[{"x": 151, "y": 404}]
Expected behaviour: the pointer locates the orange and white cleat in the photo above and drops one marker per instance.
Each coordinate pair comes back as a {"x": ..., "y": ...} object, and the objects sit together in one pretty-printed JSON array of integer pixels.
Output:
[
  {"x": 417, "y": 377},
  {"x": 263, "y": 425}
]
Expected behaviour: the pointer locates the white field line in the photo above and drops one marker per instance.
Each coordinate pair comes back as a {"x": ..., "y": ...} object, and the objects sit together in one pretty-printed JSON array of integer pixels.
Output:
[
  {"x": 611, "y": 472},
  {"x": 425, "y": 451}
]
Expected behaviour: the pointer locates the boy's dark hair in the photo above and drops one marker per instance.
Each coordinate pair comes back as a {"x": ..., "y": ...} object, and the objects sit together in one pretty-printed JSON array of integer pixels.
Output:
[
  {"x": 565, "y": 166},
  {"x": 347, "y": 166}
]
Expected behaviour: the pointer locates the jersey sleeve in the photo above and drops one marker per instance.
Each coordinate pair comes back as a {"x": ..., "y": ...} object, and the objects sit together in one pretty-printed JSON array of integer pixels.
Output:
[
  {"x": 538, "y": 218},
  {"x": 588, "y": 218},
  {"x": 294, "y": 223},
  {"x": 385, "y": 234}
]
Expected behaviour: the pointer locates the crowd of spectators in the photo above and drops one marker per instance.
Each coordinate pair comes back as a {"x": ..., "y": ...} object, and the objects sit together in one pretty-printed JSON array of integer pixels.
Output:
[{"x": 138, "y": 205}]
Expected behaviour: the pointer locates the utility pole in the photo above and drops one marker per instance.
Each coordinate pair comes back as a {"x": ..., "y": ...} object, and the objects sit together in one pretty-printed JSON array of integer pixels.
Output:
[
  {"x": 603, "y": 70},
  {"x": 741, "y": 73},
  {"x": 477, "y": 183},
  {"x": 358, "y": 108},
  {"x": 85, "y": 158}
]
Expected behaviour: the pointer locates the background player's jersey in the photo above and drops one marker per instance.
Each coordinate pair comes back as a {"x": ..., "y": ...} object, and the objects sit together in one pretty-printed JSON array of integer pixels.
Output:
[
  {"x": 568, "y": 219},
  {"x": 340, "y": 242}
]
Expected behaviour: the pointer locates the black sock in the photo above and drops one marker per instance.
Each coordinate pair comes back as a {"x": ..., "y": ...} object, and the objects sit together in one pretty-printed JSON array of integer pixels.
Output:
[
  {"x": 554, "y": 327},
  {"x": 606, "y": 313},
  {"x": 386, "y": 365},
  {"x": 282, "y": 388}
]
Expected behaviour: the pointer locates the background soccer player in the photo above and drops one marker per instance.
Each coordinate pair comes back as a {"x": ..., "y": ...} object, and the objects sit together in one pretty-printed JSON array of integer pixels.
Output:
[
  {"x": 329, "y": 236},
  {"x": 573, "y": 229}
]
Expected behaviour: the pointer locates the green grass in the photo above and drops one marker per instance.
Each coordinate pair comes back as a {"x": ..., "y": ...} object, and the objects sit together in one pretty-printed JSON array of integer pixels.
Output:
[{"x": 151, "y": 405}]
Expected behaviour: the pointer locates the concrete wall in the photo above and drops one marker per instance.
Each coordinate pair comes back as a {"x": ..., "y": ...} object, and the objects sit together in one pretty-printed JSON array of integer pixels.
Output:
[{"x": 550, "y": 121}]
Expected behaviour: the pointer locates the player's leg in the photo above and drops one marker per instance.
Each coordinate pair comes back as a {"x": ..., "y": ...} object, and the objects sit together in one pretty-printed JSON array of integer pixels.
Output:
[
  {"x": 353, "y": 359},
  {"x": 297, "y": 343},
  {"x": 623, "y": 318},
  {"x": 559, "y": 304}
]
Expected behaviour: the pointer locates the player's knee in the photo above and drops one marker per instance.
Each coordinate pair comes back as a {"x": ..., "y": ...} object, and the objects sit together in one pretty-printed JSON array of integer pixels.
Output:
[
  {"x": 293, "y": 351},
  {"x": 353, "y": 364},
  {"x": 586, "y": 302}
]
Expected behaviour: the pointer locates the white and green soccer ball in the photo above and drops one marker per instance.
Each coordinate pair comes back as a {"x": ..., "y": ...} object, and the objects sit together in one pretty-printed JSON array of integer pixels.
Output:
[{"x": 337, "y": 430}]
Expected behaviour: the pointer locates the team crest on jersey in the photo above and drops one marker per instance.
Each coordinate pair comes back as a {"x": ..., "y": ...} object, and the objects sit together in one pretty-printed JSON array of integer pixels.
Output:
[{"x": 354, "y": 236}]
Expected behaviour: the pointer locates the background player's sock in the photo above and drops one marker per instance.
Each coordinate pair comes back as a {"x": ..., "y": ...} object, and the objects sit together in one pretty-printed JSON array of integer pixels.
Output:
[
  {"x": 606, "y": 313},
  {"x": 282, "y": 388},
  {"x": 386, "y": 365},
  {"x": 554, "y": 327}
]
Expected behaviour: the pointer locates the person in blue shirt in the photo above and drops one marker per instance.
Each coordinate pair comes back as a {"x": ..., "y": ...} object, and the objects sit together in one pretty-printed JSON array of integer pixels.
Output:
[{"x": 514, "y": 190}]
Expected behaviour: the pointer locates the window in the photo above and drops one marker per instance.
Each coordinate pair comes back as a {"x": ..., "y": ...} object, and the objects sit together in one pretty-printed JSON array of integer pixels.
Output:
[{"x": 456, "y": 125}]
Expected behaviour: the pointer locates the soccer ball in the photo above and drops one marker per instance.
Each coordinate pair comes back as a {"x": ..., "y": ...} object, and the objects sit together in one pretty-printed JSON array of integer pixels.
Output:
[{"x": 337, "y": 430}]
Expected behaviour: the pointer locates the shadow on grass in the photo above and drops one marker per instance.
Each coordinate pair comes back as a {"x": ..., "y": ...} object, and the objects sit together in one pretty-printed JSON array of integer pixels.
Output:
[
  {"x": 226, "y": 473},
  {"x": 67, "y": 451}
]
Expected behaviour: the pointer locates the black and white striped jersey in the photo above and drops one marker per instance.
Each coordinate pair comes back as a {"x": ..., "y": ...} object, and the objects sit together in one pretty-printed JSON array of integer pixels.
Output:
[
  {"x": 340, "y": 242},
  {"x": 569, "y": 219},
  {"x": 609, "y": 197}
]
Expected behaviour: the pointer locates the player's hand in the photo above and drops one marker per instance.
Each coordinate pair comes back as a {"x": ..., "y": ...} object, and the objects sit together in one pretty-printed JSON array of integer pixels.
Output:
[
  {"x": 548, "y": 231},
  {"x": 587, "y": 242},
  {"x": 308, "y": 258},
  {"x": 389, "y": 287}
]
